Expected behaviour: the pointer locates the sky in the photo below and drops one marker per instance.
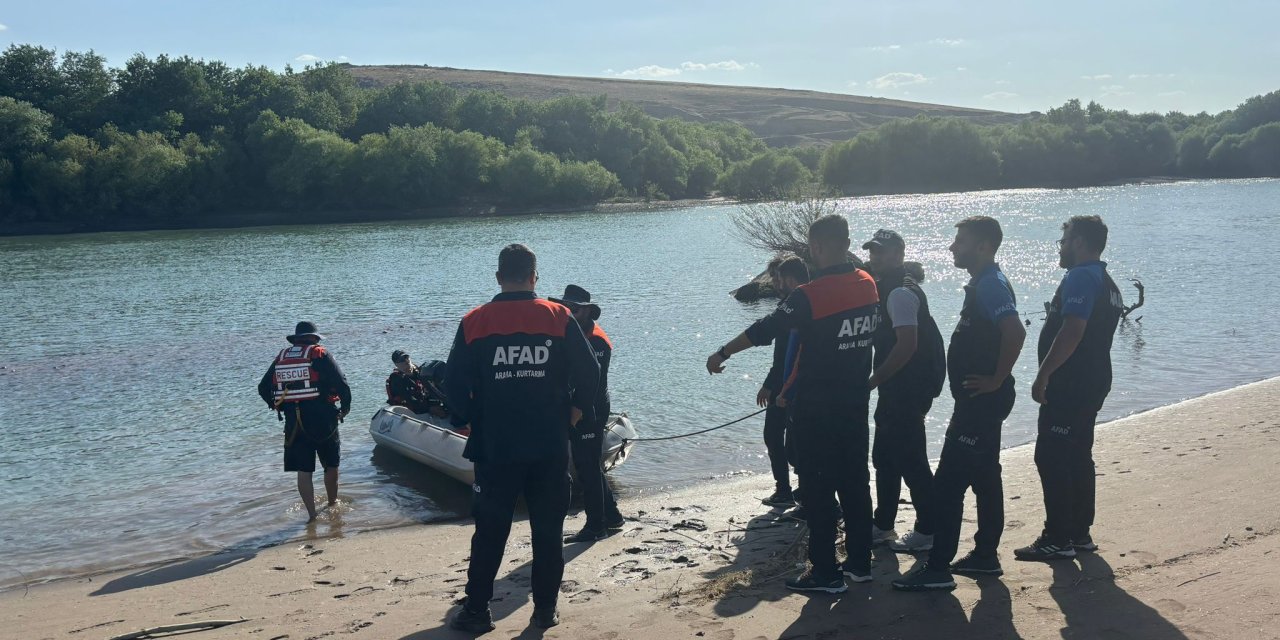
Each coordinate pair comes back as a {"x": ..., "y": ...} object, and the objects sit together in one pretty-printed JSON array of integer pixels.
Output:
[{"x": 1009, "y": 56}]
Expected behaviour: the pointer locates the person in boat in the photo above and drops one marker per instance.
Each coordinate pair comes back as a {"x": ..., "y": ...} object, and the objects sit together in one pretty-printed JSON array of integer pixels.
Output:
[
  {"x": 406, "y": 387},
  {"x": 515, "y": 366},
  {"x": 835, "y": 315},
  {"x": 1073, "y": 382},
  {"x": 787, "y": 273},
  {"x": 587, "y": 440},
  {"x": 911, "y": 367},
  {"x": 303, "y": 385},
  {"x": 980, "y": 358}
]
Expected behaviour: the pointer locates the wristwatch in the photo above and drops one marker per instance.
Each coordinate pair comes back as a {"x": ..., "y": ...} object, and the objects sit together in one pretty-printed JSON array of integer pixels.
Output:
[{"x": 722, "y": 354}]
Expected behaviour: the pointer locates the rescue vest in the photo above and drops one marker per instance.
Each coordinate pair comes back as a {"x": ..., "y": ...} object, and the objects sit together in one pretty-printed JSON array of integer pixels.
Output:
[{"x": 295, "y": 376}]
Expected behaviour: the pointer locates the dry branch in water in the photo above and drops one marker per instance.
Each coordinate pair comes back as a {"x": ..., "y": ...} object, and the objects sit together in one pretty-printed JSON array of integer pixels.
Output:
[{"x": 781, "y": 226}]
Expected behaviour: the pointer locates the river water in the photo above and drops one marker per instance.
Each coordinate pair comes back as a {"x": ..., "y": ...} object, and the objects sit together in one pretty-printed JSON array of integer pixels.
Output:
[{"x": 131, "y": 431}]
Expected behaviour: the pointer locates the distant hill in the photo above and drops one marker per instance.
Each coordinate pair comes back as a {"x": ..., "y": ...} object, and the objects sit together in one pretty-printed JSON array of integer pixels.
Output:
[{"x": 780, "y": 117}]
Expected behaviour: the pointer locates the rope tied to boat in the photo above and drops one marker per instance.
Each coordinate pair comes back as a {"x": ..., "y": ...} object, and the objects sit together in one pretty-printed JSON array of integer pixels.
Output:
[{"x": 695, "y": 433}]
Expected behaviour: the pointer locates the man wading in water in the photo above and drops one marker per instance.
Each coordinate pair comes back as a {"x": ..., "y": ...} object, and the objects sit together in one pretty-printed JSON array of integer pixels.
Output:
[
  {"x": 835, "y": 316},
  {"x": 301, "y": 385}
]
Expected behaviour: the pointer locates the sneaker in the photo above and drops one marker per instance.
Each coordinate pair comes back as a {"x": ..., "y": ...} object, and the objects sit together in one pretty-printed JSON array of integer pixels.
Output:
[
  {"x": 1084, "y": 544},
  {"x": 616, "y": 523},
  {"x": 1043, "y": 550},
  {"x": 545, "y": 618},
  {"x": 586, "y": 535},
  {"x": 879, "y": 536},
  {"x": 977, "y": 565},
  {"x": 913, "y": 542},
  {"x": 857, "y": 575},
  {"x": 807, "y": 581},
  {"x": 925, "y": 578},
  {"x": 473, "y": 622},
  {"x": 780, "y": 498}
]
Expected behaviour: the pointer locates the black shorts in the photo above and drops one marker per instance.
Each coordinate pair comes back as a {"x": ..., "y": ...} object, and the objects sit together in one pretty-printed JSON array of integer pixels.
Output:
[{"x": 302, "y": 453}]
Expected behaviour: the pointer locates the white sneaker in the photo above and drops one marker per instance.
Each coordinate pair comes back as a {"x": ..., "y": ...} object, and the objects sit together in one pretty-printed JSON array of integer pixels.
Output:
[
  {"x": 879, "y": 535},
  {"x": 912, "y": 542}
]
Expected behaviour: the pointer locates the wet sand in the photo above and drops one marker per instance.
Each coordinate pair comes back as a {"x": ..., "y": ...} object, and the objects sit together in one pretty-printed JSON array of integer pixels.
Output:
[{"x": 1187, "y": 527}]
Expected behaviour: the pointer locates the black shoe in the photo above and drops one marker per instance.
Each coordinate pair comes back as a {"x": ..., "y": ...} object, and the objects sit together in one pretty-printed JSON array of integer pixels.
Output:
[
  {"x": 807, "y": 581},
  {"x": 780, "y": 498},
  {"x": 977, "y": 565},
  {"x": 545, "y": 618},
  {"x": 1084, "y": 544},
  {"x": 925, "y": 578},
  {"x": 1044, "y": 550},
  {"x": 857, "y": 575},
  {"x": 586, "y": 535},
  {"x": 473, "y": 622},
  {"x": 616, "y": 523}
]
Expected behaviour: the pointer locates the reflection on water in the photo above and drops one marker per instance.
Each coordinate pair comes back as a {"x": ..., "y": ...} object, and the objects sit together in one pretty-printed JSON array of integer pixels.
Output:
[{"x": 130, "y": 430}]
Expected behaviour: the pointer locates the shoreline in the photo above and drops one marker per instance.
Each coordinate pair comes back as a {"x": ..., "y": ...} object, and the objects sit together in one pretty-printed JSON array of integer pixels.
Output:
[
  {"x": 708, "y": 558},
  {"x": 710, "y": 484},
  {"x": 253, "y": 219}
]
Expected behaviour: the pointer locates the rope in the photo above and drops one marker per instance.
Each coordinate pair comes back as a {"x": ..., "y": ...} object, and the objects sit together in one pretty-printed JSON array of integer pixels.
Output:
[{"x": 695, "y": 433}]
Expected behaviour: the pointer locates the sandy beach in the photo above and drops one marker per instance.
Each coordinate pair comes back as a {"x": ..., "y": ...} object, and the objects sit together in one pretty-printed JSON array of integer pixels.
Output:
[{"x": 1187, "y": 525}]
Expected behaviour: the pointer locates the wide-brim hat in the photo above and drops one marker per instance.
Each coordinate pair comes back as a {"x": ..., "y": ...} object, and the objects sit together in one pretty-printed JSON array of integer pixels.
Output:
[
  {"x": 575, "y": 298},
  {"x": 304, "y": 329}
]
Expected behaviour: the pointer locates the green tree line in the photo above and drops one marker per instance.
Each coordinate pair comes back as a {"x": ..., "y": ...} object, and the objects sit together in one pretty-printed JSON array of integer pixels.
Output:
[
  {"x": 1069, "y": 146},
  {"x": 172, "y": 138}
]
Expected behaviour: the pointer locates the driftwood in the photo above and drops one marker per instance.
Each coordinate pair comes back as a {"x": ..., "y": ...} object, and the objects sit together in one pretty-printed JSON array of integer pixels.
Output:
[
  {"x": 1142, "y": 299},
  {"x": 167, "y": 629}
]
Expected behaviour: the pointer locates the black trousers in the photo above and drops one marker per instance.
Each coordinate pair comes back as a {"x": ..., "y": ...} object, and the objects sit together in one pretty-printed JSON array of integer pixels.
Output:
[
  {"x": 545, "y": 485},
  {"x": 900, "y": 454},
  {"x": 971, "y": 459},
  {"x": 775, "y": 443},
  {"x": 597, "y": 498},
  {"x": 1064, "y": 458},
  {"x": 831, "y": 462}
]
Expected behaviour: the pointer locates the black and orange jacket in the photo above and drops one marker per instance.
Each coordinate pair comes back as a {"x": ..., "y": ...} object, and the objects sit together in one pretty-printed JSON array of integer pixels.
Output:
[
  {"x": 406, "y": 390},
  {"x": 835, "y": 316},
  {"x": 517, "y": 364},
  {"x": 603, "y": 348}
]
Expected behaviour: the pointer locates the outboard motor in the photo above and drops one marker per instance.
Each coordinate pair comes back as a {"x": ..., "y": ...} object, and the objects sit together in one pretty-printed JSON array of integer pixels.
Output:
[{"x": 432, "y": 376}]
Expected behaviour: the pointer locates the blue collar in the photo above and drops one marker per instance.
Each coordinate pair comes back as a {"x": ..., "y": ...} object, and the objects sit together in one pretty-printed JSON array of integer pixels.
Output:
[
  {"x": 991, "y": 270},
  {"x": 1090, "y": 263}
]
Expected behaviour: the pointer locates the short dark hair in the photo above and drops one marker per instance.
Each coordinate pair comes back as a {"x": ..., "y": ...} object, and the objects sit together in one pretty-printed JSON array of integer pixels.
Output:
[
  {"x": 1091, "y": 229},
  {"x": 985, "y": 227},
  {"x": 794, "y": 267},
  {"x": 830, "y": 229},
  {"x": 516, "y": 263}
]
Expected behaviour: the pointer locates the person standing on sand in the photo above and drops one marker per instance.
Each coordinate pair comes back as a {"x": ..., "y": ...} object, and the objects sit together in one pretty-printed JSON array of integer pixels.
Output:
[
  {"x": 587, "y": 439},
  {"x": 1073, "y": 382},
  {"x": 984, "y": 347},
  {"x": 301, "y": 386},
  {"x": 522, "y": 374},
  {"x": 776, "y": 419},
  {"x": 911, "y": 365},
  {"x": 835, "y": 315}
]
